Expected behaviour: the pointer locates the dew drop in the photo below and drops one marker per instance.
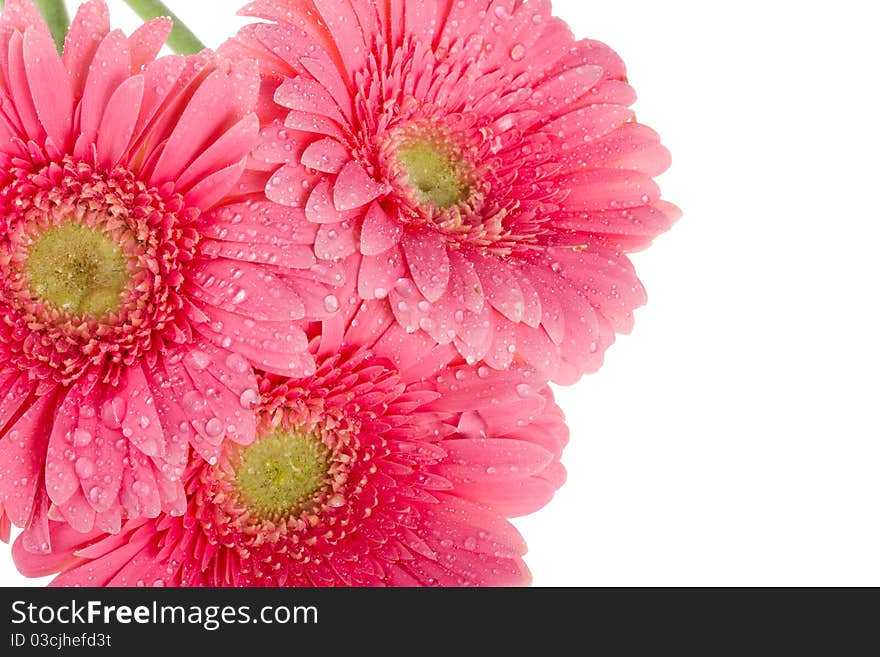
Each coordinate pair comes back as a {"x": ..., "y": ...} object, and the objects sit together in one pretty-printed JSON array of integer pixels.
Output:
[
  {"x": 248, "y": 398},
  {"x": 81, "y": 438},
  {"x": 331, "y": 303},
  {"x": 113, "y": 412},
  {"x": 198, "y": 360},
  {"x": 84, "y": 467},
  {"x": 214, "y": 427},
  {"x": 237, "y": 363},
  {"x": 193, "y": 402}
]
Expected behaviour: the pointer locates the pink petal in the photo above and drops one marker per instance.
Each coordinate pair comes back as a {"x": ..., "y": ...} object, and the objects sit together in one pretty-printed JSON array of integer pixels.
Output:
[
  {"x": 278, "y": 347},
  {"x": 23, "y": 101},
  {"x": 244, "y": 289},
  {"x": 491, "y": 460},
  {"x": 379, "y": 274},
  {"x": 428, "y": 262},
  {"x": 474, "y": 337},
  {"x": 335, "y": 242},
  {"x": 537, "y": 349},
  {"x": 78, "y": 513},
  {"x": 228, "y": 149},
  {"x": 291, "y": 186},
  {"x": 20, "y": 15},
  {"x": 500, "y": 355},
  {"x": 320, "y": 208},
  {"x": 423, "y": 19},
  {"x": 118, "y": 124},
  {"x": 292, "y": 256},
  {"x": 142, "y": 424},
  {"x": 345, "y": 29},
  {"x": 329, "y": 77},
  {"x": 109, "y": 69},
  {"x": 259, "y": 222},
  {"x": 588, "y": 123},
  {"x": 35, "y": 537},
  {"x": 309, "y": 122},
  {"x": 62, "y": 481},
  {"x": 379, "y": 232},
  {"x": 18, "y": 387},
  {"x": 89, "y": 27},
  {"x": 471, "y": 288},
  {"x": 216, "y": 187},
  {"x": 501, "y": 287},
  {"x": 203, "y": 117},
  {"x": 100, "y": 571},
  {"x": 326, "y": 155},
  {"x": 609, "y": 189},
  {"x": 278, "y": 145},
  {"x": 355, "y": 188},
  {"x": 50, "y": 85},
  {"x": 456, "y": 519},
  {"x": 146, "y": 41},
  {"x": 304, "y": 95},
  {"x": 562, "y": 89},
  {"x": 22, "y": 454},
  {"x": 510, "y": 499}
]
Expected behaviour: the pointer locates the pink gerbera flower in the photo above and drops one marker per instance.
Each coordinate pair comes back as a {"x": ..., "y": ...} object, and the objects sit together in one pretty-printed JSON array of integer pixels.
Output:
[
  {"x": 138, "y": 278},
  {"x": 366, "y": 473},
  {"x": 480, "y": 164}
]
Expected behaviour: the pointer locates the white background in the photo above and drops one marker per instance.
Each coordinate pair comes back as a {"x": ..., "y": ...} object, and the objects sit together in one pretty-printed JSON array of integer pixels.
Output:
[{"x": 733, "y": 440}]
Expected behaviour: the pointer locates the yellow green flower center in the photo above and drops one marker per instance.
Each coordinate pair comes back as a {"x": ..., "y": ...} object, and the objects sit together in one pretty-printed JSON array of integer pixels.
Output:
[
  {"x": 78, "y": 269},
  {"x": 279, "y": 475},
  {"x": 434, "y": 175}
]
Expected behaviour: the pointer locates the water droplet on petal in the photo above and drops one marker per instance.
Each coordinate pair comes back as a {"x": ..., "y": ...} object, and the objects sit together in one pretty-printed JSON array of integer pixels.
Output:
[
  {"x": 214, "y": 427},
  {"x": 193, "y": 402},
  {"x": 81, "y": 438},
  {"x": 331, "y": 303},
  {"x": 237, "y": 363},
  {"x": 113, "y": 412},
  {"x": 84, "y": 467},
  {"x": 248, "y": 398},
  {"x": 198, "y": 360}
]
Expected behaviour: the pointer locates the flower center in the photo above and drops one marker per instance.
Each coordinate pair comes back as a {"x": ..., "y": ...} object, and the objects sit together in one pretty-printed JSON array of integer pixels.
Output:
[
  {"x": 279, "y": 475},
  {"x": 78, "y": 269},
  {"x": 434, "y": 174}
]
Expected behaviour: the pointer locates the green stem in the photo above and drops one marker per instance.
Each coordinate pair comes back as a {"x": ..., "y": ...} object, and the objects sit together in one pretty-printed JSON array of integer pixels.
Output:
[
  {"x": 181, "y": 40},
  {"x": 57, "y": 18}
]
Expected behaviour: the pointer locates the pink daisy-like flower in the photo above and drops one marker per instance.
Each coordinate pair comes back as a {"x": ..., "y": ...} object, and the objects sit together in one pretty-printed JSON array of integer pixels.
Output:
[
  {"x": 482, "y": 164},
  {"x": 139, "y": 278},
  {"x": 370, "y": 473}
]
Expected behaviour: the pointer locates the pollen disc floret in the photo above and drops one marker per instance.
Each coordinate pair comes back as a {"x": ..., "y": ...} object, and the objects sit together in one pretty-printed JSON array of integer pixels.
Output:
[
  {"x": 286, "y": 473},
  {"x": 433, "y": 174},
  {"x": 78, "y": 269}
]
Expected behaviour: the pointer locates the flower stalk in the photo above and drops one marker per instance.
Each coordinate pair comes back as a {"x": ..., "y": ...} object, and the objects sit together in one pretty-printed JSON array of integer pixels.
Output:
[
  {"x": 55, "y": 14},
  {"x": 182, "y": 40}
]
